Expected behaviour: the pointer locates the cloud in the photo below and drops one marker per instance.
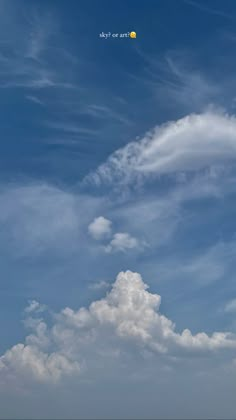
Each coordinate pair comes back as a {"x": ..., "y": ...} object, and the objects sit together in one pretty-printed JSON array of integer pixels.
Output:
[
  {"x": 127, "y": 319},
  {"x": 35, "y": 306},
  {"x": 231, "y": 306},
  {"x": 34, "y": 99},
  {"x": 99, "y": 285},
  {"x": 175, "y": 79},
  {"x": 133, "y": 313},
  {"x": 211, "y": 264},
  {"x": 122, "y": 242},
  {"x": 100, "y": 228},
  {"x": 38, "y": 219},
  {"x": 190, "y": 144},
  {"x": 104, "y": 112},
  {"x": 209, "y": 10},
  {"x": 43, "y": 218},
  {"x": 30, "y": 46},
  {"x": 29, "y": 360}
]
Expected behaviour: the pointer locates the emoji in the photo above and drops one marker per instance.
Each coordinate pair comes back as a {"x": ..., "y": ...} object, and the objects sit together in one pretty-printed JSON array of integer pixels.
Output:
[{"x": 133, "y": 34}]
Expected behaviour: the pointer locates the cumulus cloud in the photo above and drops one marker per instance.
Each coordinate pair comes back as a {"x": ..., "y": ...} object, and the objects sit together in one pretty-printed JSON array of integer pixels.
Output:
[
  {"x": 35, "y": 306},
  {"x": 189, "y": 144},
  {"x": 100, "y": 228},
  {"x": 134, "y": 314},
  {"x": 128, "y": 317},
  {"x": 122, "y": 242},
  {"x": 30, "y": 361}
]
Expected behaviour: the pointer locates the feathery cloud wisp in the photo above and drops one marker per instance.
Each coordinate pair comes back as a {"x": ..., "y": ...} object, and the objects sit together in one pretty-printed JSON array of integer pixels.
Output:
[{"x": 187, "y": 145}]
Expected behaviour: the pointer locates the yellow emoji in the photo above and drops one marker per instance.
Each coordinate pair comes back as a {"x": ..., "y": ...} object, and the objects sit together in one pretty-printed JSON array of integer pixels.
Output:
[{"x": 133, "y": 34}]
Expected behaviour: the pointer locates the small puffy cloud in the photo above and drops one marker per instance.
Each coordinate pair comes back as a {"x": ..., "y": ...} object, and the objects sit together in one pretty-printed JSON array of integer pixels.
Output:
[
  {"x": 122, "y": 242},
  {"x": 100, "y": 228},
  {"x": 35, "y": 306},
  {"x": 99, "y": 285},
  {"x": 126, "y": 321},
  {"x": 231, "y": 306}
]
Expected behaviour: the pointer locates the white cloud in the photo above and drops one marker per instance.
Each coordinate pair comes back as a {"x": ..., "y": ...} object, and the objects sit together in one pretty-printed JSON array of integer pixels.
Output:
[
  {"x": 189, "y": 144},
  {"x": 35, "y": 306},
  {"x": 99, "y": 285},
  {"x": 122, "y": 242},
  {"x": 100, "y": 228},
  {"x": 30, "y": 361},
  {"x": 127, "y": 318},
  {"x": 133, "y": 313}
]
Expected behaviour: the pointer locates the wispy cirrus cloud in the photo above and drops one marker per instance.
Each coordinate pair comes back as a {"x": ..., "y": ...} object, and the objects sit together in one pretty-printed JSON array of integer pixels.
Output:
[
  {"x": 104, "y": 112},
  {"x": 29, "y": 43},
  {"x": 175, "y": 80},
  {"x": 35, "y": 100},
  {"x": 211, "y": 10}
]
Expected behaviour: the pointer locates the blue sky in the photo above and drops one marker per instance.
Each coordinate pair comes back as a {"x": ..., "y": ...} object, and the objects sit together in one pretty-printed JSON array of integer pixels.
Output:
[{"x": 118, "y": 173}]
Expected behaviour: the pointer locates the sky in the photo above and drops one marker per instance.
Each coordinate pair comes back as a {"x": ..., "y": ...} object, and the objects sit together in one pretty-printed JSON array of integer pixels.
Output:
[{"x": 117, "y": 209}]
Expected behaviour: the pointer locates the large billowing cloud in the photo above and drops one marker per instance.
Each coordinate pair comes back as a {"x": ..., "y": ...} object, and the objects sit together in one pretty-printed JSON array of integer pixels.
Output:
[
  {"x": 127, "y": 318},
  {"x": 189, "y": 144}
]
